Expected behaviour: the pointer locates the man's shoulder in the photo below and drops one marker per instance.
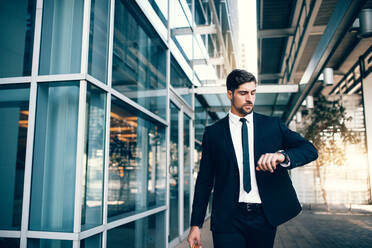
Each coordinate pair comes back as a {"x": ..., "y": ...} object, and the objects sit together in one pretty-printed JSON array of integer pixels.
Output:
[
  {"x": 217, "y": 124},
  {"x": 264, "y": 117}
]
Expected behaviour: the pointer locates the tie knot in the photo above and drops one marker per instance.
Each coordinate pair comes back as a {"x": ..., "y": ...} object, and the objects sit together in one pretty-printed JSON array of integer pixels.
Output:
[{"x": 243, "y": 120}]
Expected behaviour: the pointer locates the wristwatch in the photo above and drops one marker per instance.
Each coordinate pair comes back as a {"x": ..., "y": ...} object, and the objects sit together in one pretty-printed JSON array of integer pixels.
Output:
[{"x": 286, "y": 157}]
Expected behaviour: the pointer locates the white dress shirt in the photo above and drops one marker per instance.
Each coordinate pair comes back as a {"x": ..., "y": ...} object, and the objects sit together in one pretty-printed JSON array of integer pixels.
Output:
[{"x": 236, "y": 134}]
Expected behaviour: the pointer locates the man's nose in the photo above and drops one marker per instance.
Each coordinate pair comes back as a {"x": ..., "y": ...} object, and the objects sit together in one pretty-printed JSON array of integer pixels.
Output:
[{"x": 248, "y": 97}]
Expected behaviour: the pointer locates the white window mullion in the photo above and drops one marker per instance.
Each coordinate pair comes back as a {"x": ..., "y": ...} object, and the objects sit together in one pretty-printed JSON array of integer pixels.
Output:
[
  {"x": 180, "y": 170},
  {"x": 80, "y": 158},
  {"x": 85, "y": 37},
  {"x": 31, "y": 125}
]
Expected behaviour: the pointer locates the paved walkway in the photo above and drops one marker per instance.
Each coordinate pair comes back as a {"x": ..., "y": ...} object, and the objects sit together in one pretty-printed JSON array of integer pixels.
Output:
[{"x": 318, "y": 228}]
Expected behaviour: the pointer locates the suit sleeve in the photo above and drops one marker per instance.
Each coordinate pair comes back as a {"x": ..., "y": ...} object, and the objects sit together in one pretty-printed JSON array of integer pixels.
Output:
[
  {"x": 299, "y": 150},
  {"x": 204, "y": 184}
]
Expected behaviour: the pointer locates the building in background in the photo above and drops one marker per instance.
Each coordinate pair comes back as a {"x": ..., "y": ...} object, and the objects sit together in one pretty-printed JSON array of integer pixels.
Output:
[
  {"x": 323, "y": 48},
  {"x": 243, "y": 58},
  {"x": 97, "y": 117}
]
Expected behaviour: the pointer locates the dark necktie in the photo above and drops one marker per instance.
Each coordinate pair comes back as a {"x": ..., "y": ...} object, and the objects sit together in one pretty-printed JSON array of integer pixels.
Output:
[{"x": 246, "y": 170}]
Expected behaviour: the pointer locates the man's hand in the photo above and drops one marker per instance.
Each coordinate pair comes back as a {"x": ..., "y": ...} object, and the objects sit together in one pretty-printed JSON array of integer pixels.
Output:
[
  {"x": 194, "y": 237},
  {"x": 269, "y": 161}
]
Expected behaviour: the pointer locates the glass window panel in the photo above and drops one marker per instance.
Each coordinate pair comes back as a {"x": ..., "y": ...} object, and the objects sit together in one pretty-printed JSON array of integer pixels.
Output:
[
  {"x": 9, "y": 242},
  {"x": 92, "y": 242},
  {"x": 186, "y": 172},
  {"x": 199, "y": 15},
  {"x": 17, "y": 22},
  {"x": 173, "y": 174},
  {"x": 161, "y": 9},
  {"x": 47, "y": 243},
  {"x": 181, "y": 17},
  {"x": 197, "y": 158},
  {"x": 61, "y": 36},
  {"x": 148, "y": 232},
  {"x": 14, "y": 101},
  {"x": 157, "y": 157},
  {"x": 53, "y": 170},
  {"x": 139, "y": 59},
  {"x": 137, "y": 171},
  {"x": 179, "y": 80},
  {"x": 92, "y": 193},
  {"x": 98, "y": 39}
]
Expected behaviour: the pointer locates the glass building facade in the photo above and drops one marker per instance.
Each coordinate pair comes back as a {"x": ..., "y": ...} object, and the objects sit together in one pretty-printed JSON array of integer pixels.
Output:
[{"x": 97, "y": 120}]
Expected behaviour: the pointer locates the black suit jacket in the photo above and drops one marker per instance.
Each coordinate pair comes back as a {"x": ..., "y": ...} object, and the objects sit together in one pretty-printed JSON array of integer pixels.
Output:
[{"x": 219, "y": 170}]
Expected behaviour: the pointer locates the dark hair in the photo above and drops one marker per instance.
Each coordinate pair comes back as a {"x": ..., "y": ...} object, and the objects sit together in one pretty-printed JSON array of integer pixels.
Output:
[{"x": 238, "y": 77}]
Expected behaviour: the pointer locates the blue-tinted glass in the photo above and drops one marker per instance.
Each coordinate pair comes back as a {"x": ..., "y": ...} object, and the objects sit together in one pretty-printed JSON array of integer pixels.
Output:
[
  {"x": 47, "y": 243},
  {"x": 92, "y": 193},
  {"x": 173, "y": 174},
  {"x": 137, "y": 162},
  {"x": 17, "y": 21},
  {"x": 61, "y": 35},
  {"x": 148, "y": 232},
  {"x": 199, "y": 15},
  {"x": 98, "y": 39},
  {"x": 180, "y": 81},
  {"x": 53, "y": 169},
  {"x": 161, "y": 9},
  {"x": 157, "y": 169},
  {"x": 139, "y": 59},
  {"x": 92, "y": 242},
  {"x": 13, "y": 136},
  {"x": 9, "y": 242},
  {"x": 181, "y": 17},
  {"x": 186, "y": 172}
]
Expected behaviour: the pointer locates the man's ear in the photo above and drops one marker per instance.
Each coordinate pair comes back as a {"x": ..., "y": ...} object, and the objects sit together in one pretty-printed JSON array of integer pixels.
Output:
[{"x": 229, "y": 94}]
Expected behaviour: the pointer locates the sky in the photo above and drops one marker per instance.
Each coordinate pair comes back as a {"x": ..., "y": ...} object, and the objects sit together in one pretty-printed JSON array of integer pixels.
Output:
[{"x": 248, "y": 32}]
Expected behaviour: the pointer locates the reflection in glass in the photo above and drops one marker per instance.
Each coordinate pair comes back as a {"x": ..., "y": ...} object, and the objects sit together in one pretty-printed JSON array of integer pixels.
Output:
[
  {"x": 13, "y": 136},
  {"x": 186, "y": 172},
  {"x": 17, "y": 22},
  {"x": 9, "y": 242},
  {"x": 148, "y": 232},
  {"x": 62, "y": 28},
  {"x": 139, "y": 59},
  {"x": 92, "y": 242},
  {"x": 137, "y": 171},
  {"x": 47, "y": 243},
  {"x": 197, "y": 158},
  {"x": 181, "y": 17},
  {"x": 173, "y": 174},
  {"x": 180, "y": 81},
  {"x": 54, "y": 159},
  {"x": 92, "y": 175},
  {"x": 98, "y": 39}
]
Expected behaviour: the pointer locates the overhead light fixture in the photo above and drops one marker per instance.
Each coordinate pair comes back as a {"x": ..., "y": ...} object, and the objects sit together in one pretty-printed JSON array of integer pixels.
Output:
[
  {"x": 328, "y": 76},
  {"x": 365, "y": 23}
]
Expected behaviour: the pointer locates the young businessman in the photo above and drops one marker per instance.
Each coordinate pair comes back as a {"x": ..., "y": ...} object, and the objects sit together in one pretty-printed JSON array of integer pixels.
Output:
[{"x": 245, "y": 159}]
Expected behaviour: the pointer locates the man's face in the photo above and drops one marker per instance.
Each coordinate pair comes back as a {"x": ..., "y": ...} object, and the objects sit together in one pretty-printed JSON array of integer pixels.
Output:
[{"x": 242, "y": 99}]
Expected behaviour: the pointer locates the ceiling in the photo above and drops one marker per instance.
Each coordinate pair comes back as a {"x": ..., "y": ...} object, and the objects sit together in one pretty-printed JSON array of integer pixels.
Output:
[{"x": 296, "y": 41}]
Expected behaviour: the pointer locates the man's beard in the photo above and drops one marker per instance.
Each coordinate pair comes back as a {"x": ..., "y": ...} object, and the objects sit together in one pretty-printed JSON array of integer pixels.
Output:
[
  {"x": 241, "y": 109},
  {"x": 243, "y": 112}
]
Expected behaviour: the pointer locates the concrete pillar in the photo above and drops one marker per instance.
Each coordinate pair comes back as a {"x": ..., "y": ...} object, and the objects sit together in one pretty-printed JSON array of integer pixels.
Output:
[{"x": 367, "y": 98}]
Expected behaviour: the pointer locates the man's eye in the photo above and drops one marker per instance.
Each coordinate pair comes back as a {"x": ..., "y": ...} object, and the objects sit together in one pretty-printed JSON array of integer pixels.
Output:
[{"x": 243, "y": 92}]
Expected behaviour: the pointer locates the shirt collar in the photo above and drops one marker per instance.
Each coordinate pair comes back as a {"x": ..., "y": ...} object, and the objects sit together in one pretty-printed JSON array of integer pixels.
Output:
[{"x": 236, "y": 119}]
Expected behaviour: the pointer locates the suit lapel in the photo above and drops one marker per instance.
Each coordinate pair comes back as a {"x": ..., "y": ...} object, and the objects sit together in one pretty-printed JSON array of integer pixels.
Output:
[
  {"x": 228, "y": 139},
  {"x": 257, "y": 124}
]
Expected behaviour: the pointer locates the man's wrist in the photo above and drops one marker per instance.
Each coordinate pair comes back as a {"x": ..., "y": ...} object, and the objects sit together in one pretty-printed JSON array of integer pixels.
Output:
[{"x": 286, "y": 162}]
